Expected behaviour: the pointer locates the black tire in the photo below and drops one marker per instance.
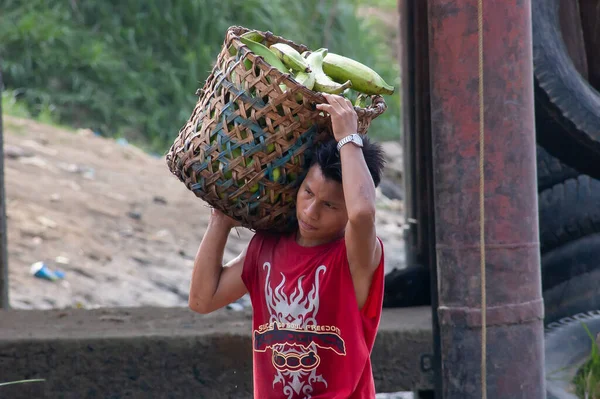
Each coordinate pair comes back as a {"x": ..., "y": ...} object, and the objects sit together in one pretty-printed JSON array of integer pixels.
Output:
[
  {"x": 567, "y": 106},
  {"x": 407, "y": 287},
  {"x": 571, "y": 278},
  {"x": 569, "y": 211},
  {"x": 570, "y": 281},
  {"x": 551, "y": 171},
  {"x": 567, "y": 348},
  {"x": 569, "y": 215}
]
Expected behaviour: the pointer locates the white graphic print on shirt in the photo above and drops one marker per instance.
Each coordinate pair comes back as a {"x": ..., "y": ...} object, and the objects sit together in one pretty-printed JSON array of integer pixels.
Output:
[{"x": 294, "y": 336}]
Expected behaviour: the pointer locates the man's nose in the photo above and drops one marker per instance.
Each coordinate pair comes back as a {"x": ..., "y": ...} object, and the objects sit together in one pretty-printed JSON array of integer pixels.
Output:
[{"x": 312, "y": 211}]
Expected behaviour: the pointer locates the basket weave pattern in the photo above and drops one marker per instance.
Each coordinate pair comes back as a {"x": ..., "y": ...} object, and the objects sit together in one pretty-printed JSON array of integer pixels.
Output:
[{"x": 245, "y": 146}]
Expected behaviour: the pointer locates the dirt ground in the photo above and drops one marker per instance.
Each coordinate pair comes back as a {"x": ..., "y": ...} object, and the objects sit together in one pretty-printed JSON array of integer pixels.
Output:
[{"x": 121, "y": 227}]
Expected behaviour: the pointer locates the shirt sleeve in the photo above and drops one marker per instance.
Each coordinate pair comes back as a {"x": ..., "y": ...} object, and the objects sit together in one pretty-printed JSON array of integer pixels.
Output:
[{"x": 249, "y": 269}]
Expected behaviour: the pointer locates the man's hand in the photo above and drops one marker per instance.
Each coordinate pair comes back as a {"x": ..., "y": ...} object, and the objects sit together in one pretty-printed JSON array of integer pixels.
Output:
[
  {"x": 220, "y": 218},
  {"x": 213, "y": 285},
  {"x": 344, "y": 120}
]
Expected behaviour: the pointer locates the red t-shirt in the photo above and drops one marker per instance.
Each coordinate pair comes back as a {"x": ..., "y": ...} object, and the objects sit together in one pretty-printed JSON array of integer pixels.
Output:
[{"x": 310, "y": 339}]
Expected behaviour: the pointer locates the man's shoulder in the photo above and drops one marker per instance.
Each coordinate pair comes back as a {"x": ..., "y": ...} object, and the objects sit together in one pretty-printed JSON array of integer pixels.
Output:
[
  {"x": 266, "y": 239},
  {"x": 266, "y": 235}
]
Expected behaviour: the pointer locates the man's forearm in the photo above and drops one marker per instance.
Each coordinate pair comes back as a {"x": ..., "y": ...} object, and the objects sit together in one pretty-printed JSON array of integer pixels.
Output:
[
  {"x": 208, "y": 265},
  {"x": 359, "y": 189}
]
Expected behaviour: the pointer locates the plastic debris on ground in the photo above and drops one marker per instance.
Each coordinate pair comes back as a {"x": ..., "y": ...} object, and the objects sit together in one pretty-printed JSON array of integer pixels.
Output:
[{"x": 41, "y": 270}]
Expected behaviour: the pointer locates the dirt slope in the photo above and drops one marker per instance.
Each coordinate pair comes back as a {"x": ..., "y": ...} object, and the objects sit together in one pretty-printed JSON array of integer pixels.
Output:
[{"x": 122, "y": 228}]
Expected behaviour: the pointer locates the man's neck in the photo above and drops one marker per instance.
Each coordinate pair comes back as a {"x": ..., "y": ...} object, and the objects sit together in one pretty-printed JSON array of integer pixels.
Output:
[{"x": 304, "y": 242}]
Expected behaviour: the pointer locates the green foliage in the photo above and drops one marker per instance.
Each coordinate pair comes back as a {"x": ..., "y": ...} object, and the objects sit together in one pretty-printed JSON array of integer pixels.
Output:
[
  {"x": 587, "y": 381},
  {"x": 130, "y": 68},
  {"x": 385, "y": 4},
  {"x": 14, "y": 107}
]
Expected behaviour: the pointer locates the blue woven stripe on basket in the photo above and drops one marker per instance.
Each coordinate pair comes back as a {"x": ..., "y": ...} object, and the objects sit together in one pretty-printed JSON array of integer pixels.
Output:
[
  {"x": 306, "y": 136},
  {"x": 256, "y": 102},
  {"x": 247, "y": 149}
]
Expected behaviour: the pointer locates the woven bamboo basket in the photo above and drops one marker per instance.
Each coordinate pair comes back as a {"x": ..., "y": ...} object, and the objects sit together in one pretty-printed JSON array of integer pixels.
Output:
[{"x": 246, "y": 144}]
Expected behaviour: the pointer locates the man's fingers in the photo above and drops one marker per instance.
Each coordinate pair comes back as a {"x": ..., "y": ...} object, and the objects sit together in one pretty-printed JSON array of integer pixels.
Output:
[
  {"x": 325, "y": 107},
  {"x": 346, "y": 103},
  {"x": 341, "y": 103},
  {"x": 334, "y": 99}
]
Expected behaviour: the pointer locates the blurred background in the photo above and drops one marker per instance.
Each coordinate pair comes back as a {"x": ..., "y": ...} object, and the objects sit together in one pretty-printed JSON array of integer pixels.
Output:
[
  {"x": 95, "y": 93},
  {"x": 130, "y": 68}
]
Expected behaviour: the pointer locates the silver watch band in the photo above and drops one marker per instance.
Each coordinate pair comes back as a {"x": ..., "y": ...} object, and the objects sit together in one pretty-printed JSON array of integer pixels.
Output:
[{"x": 348, "y": 139}]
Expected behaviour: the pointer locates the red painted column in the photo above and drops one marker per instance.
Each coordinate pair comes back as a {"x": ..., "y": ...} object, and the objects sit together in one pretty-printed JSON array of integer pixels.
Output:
[{"x": 515, "y": 356}]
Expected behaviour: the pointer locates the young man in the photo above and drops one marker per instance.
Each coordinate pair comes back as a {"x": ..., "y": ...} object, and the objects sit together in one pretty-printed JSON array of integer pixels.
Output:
[{"x": 316, "y": 294}]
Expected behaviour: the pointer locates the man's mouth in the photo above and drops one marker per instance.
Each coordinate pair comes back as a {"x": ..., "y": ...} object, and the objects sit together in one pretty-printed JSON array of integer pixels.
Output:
[{"x": 306, "y": 226}]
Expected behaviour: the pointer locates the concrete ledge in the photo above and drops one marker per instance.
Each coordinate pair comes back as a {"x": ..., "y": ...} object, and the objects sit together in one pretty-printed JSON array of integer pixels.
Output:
[{"x": 171, "y": 353}]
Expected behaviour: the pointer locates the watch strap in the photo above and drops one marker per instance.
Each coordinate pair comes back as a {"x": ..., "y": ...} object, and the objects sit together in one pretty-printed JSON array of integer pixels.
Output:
[{"x": 348, "y": 139}]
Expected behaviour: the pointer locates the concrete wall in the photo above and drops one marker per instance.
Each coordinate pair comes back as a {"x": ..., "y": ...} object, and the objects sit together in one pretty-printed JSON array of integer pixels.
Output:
[{"x": 171, "y": 353}]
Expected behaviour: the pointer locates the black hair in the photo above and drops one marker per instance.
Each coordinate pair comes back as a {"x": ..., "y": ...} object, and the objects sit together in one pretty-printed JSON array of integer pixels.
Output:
[{"x": 326, "y": 155}]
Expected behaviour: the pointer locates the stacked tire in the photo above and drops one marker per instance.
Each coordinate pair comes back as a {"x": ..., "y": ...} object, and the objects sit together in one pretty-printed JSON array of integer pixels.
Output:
[
  {"x": 566, "y": 65},
  {"x": 567, "y": 108},
  {"x": 569, "y": 226},
  {"x": 567, "y": 114},
  {"x": 569, "y": 217}
]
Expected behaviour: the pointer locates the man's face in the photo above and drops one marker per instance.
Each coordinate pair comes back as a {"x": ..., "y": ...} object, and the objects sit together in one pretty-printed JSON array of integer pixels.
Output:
[{"x": 320, "y": 207}]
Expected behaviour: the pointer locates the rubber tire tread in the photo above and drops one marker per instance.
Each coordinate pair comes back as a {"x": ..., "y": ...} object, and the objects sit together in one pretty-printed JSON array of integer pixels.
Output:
[
  {"x": 567, "y": 348},
  {"x": 567, "y": 107},
  {"x": 568, "y": 211},
  {"x": 551, "y": 171},
  {"x": 407, "y": 287},
  {"x": 561, "y": 266}
]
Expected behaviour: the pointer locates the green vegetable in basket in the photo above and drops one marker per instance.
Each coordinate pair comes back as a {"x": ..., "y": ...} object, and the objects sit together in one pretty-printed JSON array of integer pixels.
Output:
[
  {"x": 324, "y": 83},
  {"x": 306, "y": 79},
  {"x": 264, "y": 52},
  {"x": 276, "y": 174},
  {"x": 254, "y": 35},
  {"x": 236, "y": 153},
  {"x": 364, "y": 79},
  {"x": 290, "y": 57},
  {"x": 361, "y": 101}
]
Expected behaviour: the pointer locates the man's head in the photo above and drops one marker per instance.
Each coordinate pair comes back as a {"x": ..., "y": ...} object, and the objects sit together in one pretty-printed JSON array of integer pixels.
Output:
[{"x": 320, "y": 206}]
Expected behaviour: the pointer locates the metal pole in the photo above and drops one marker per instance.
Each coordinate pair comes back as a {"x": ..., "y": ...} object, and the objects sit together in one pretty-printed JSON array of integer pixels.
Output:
[
  {"x": 418, "y": 171},
  {"x": 515, "y": 356},
  {"x": 4, "y": 304}
]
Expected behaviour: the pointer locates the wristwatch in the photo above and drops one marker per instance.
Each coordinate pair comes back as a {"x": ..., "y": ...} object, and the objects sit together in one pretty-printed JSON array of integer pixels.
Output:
[{"x": 354, "y": 138}]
